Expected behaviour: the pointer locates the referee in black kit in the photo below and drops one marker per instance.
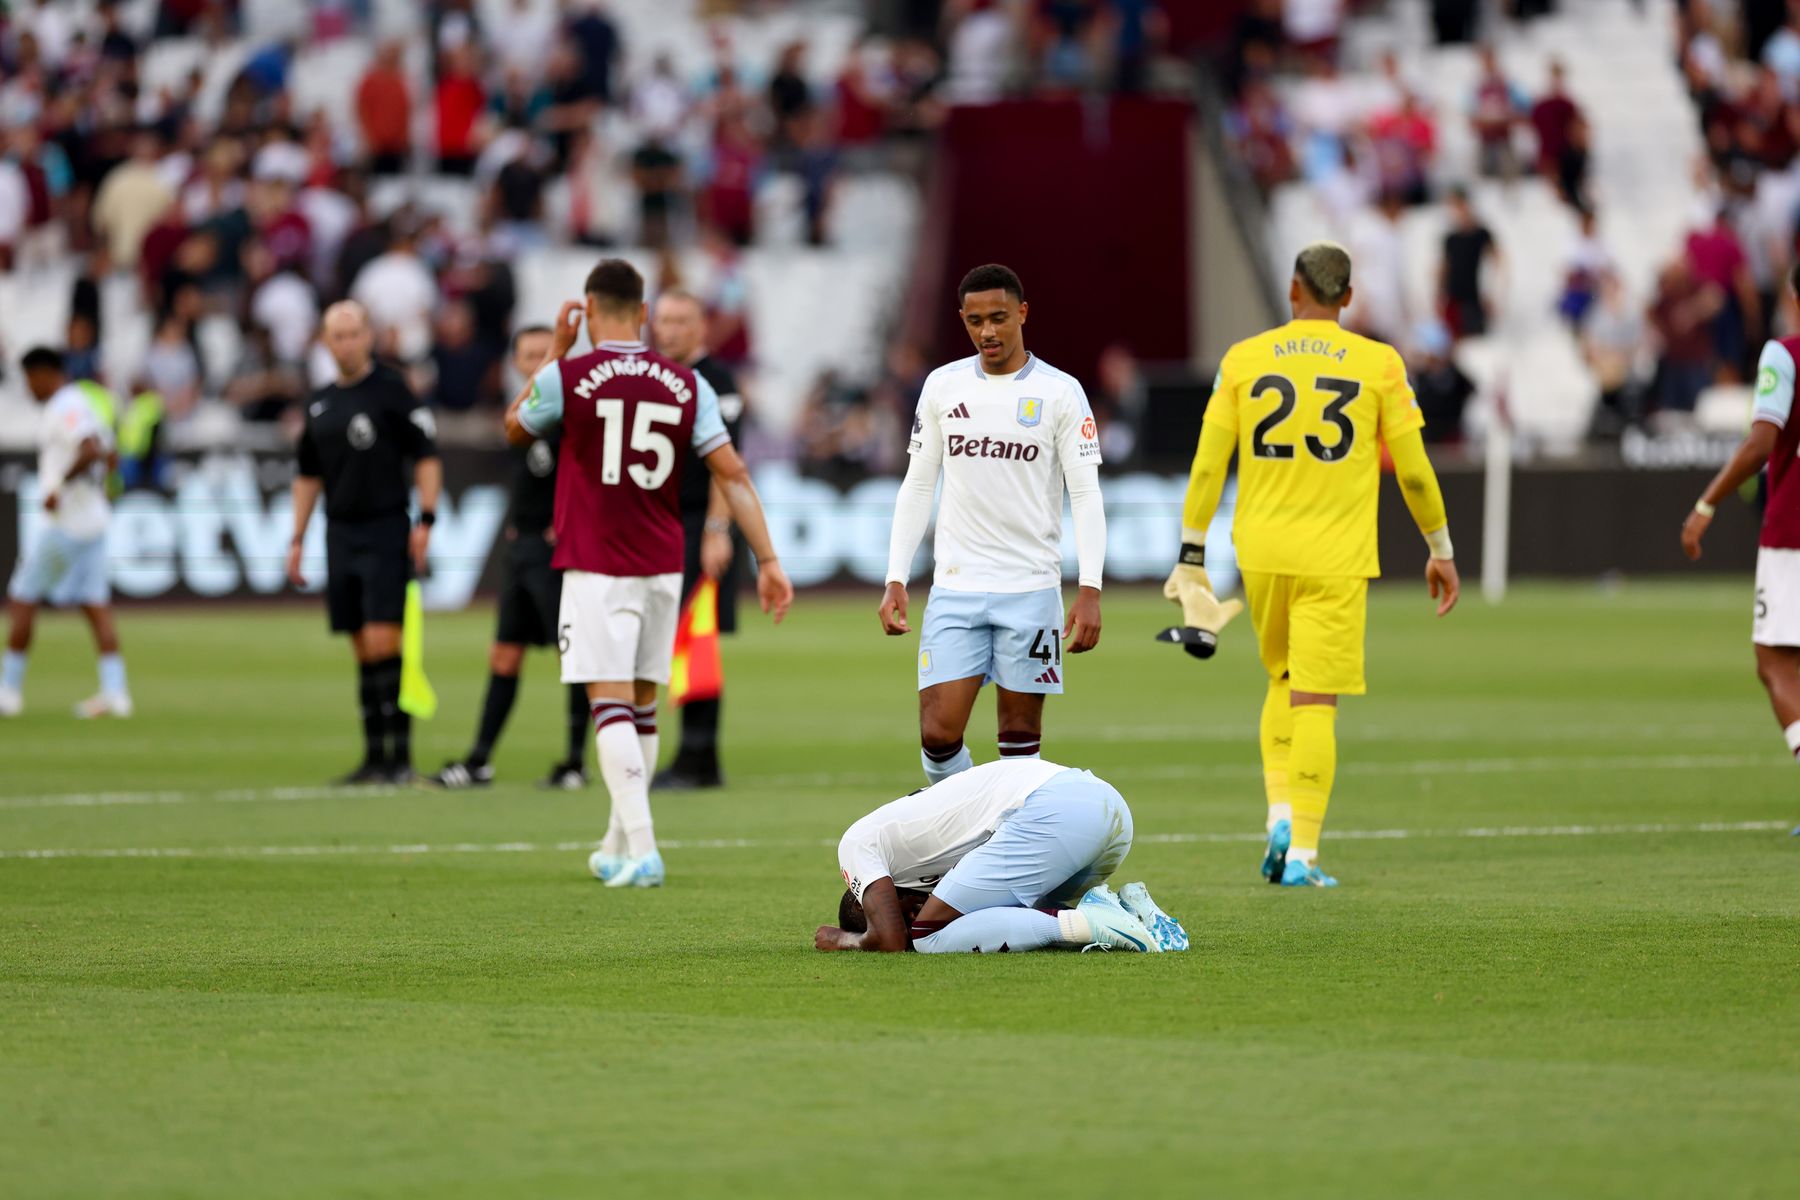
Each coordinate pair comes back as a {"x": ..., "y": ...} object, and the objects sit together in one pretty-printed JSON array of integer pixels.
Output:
[
  {"x": 678, "y": 329},
  {"x": 530, "y": 599},
  {"x": 360, "y": 432}
]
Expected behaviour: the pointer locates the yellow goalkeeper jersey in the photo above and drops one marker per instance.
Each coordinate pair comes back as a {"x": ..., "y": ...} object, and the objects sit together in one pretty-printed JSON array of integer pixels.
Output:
[{"x": 1310, "y": 404}]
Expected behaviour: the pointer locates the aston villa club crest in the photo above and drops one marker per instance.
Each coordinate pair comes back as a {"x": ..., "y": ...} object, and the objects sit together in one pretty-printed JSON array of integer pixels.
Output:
[{"x": 1031, "y": 411}]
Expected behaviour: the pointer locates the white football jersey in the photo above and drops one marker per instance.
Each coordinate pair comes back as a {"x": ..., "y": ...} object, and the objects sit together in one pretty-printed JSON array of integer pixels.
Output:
[
  {"x": 916, "y": 839},
  {"x": 81, "y": 507},
  {"x": 1003, "y": 442}
]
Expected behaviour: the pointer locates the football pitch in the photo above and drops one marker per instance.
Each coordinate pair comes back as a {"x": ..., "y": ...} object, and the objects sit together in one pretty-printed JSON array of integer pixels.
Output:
[{"x": 1565, "y": 958}]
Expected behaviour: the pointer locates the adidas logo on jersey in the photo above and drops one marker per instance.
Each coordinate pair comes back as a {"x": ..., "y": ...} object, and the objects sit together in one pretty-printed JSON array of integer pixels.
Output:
[
  {"x": 1049, "y": 676},
  {"x": 959, "y": 413}
]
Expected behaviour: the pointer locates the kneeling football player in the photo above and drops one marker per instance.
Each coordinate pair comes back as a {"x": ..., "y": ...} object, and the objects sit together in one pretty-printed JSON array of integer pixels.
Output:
[{"x": 988, "y": 861}]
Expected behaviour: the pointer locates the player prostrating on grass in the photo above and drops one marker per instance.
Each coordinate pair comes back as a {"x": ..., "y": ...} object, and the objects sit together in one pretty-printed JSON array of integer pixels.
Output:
[
  {"x": 1306, "y": 408},
  {"x": 1008, "y": 432},
  {"x": 67, "y": 563},
  {"x": 361, "y": 430},
  {"x": 626, "y": 416},
  {"x": 1772, "y": 442},
  {"x": 529, "y": 599},
  {"x": 988, "y": 860}
]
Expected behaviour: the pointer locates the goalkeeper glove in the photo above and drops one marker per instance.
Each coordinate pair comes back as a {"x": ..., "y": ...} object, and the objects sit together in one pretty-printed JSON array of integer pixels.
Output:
[{"x": 1203, "y": 614}]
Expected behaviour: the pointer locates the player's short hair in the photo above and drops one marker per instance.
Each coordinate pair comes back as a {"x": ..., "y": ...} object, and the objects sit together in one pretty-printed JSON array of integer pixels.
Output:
[
  {"x": 990, "y": 277},
  {"x": 616, "y": 284},
  {"x": 523, "y": 332},
  {"x": 42, "y": 358},
  {"x": 1324, "y": 267},
  {"x": 851, "y": 918}
]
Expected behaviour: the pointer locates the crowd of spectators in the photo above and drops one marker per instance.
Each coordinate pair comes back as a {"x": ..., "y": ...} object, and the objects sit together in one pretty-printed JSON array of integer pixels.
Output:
[{"x": 249, "y": 212}]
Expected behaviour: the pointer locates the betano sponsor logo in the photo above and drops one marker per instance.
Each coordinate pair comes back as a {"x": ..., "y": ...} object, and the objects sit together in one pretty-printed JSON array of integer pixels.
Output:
[{"x": 958, "y": 446}]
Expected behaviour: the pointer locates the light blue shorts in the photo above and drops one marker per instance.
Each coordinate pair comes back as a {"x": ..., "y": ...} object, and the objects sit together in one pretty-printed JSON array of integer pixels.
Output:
[
  {"x": 1012, "y": 638},
  {"x": 1068, "y": 836},
  {"x": 62, "y": 571}
]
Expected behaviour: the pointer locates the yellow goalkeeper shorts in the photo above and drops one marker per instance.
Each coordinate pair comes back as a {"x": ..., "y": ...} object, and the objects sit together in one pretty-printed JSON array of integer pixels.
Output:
[{"x": 1311, "y": 629}]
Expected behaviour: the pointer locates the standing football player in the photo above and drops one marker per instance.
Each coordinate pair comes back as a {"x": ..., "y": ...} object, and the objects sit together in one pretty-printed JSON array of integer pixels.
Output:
[
  {"x": 1008, "y": 432},
  {"x": 530, "y": 595},
  {"x": 67, "y": 562},
  {"x": 678, "y": 328},
  {"x": 361, "y": 431},
  {"x": 1306, "y": 408},
  {"x": 1772, "y": 442},
  {"x": 626, "y": 415}
]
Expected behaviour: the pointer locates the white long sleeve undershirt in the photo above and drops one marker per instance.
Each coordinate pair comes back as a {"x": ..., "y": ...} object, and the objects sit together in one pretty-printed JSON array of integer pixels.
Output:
[
  {"x": 1089, "y": 514},
  {"x": 912, "y": 516}
]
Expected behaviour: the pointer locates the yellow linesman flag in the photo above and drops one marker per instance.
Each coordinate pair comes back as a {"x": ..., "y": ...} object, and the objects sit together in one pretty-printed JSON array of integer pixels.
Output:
[
  {"x": 698, "y": 672},
  {"x": 417, "y": 698}
]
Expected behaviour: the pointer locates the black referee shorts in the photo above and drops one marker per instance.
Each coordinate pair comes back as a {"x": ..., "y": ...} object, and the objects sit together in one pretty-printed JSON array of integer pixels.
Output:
[
  {"x": 530, "y": 593},
  {"x": 694, "y": 526},
  {"x": 367, "y": 568}
]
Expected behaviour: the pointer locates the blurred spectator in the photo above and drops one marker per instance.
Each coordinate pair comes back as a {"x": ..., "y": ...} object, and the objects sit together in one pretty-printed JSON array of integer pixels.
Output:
[
  {"x": 1404, "y": 140},
  {"x": 657, "y": 176},
  {"x": 1561, "y": 137},
  {"x": 659, "y": 104},
  {"x": 862, "y": 105},
  {"x": 131, "y": 199},
  {"x": 1681, "y": 315},
  {"x": 521, "y": 39},
  {"x": 281, "y": 303},
  {"x": 1260, "y": 132},
  {"x": 1587, "y": 263},
  {"x": 262, "y": 387},
  {"x": 384, "y": 110},
  {"x": 1140, "y": 29},
  {"x": 1313, "y": 26},
  {"x": 790, "y": 96},
  {"x": 462, "y": 366},
  {"x": 1468, "y": 248},
  {"x": 728, "y": 200},
  {"x": 1439, "y": 385},
  {"x": 1379, "y": 307},
  {"x": 1612, "y": 337},
  {"x": 982, "y": 46},
  {"x": 586, "y": 25},
  {"x": 401, "y": 294},
  {"x": 1453, "y": 21},
  {"x": 724, "y": 291},
  {"x": 1119, "y": 403},
  {"x": 171, "y": 368},
  {"x": 1716, "y": 258},
  {"x": 459, "y": 103},
  {"x": 1781, "y": 53},
  {"x": 1324, "y": 109},
  {"x": 1496, "y": 110}
]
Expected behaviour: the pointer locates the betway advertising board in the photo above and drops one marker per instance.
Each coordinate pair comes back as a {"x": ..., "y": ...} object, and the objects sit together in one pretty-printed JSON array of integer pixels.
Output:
[{"x": 222, "y": 529}]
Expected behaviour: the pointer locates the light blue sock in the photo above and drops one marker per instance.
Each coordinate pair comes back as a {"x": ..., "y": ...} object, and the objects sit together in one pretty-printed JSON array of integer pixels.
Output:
[
  {"x": 112, "y": 674},
  {"x": 993, "y": 930},
  {"x": 12, "y": 670},
  {"x": 937, "y": 772}
]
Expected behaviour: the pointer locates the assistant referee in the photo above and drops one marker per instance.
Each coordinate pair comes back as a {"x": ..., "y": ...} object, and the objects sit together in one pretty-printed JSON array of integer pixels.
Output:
[
  {"x": 360, "y": 433},
  {"x": 678, "y": 329}
]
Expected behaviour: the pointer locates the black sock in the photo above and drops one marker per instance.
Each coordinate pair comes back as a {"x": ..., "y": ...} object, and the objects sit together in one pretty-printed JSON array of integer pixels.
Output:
[
  {"x": 502, "y": 690},
  {"x": 581, "y": 725},
  {"x": 369, "y": 696},
  {"x": 397, "y": 723},
  {"x": 700, "y": 734}
]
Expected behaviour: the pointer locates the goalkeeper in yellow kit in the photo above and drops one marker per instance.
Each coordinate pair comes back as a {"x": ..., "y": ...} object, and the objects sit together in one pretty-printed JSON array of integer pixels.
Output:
[{"x": 1306, "y": 408}]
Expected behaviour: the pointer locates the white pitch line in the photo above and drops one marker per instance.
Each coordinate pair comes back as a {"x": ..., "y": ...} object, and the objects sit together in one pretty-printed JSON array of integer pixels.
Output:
[
  {"x": 1172, "y": 771},
  {"x": 412, "y": 849}
]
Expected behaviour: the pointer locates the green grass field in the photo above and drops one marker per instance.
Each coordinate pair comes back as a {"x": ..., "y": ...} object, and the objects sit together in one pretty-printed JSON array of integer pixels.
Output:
[{"x": 1565, "y": 958}]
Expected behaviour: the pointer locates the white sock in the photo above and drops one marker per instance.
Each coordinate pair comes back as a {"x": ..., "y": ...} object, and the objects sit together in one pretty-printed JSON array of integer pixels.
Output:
[
  {"x": 1791, "y": 733},
  {"x": 1279, "y": 812},
  {"x": 937, "y": 771},
  {"x": 1303, "y": 857},
  {"x": 12, "y": 670},
  {"x": 994, "y": 931},
  {"x": 622, "y": 767},
  {"x": 1073, "y": 929},
  {"x": 112, "y": 674}
]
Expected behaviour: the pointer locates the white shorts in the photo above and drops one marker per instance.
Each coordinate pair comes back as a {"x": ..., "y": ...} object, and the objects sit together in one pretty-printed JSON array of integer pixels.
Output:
[
  {"x": 1776, "y": 619},
  {"x": 62, "y": 571},
  {"x": 617, "y": 628}
]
